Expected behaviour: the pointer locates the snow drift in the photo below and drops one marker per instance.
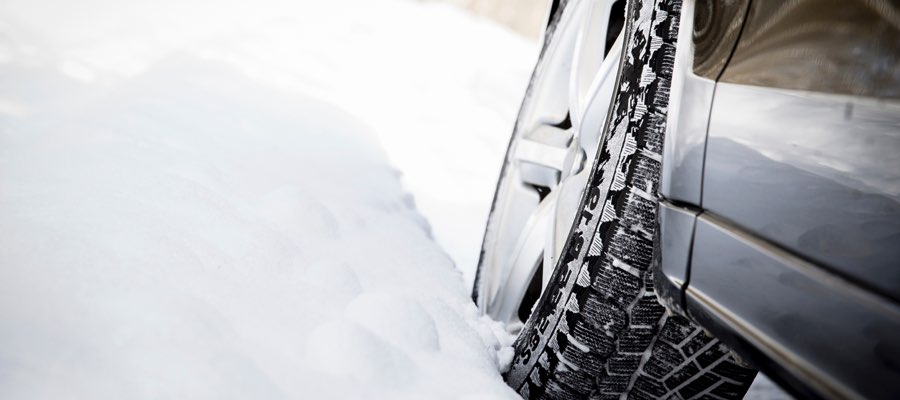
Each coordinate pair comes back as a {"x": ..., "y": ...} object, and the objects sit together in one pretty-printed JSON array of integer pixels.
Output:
[
  {"x": 183, "y": 214},
  {"x": 190, "y": 234}
]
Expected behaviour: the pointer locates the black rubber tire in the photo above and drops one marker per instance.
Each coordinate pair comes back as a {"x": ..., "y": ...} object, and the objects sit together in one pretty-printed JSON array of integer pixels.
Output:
[{"x": 598, "y": 330}]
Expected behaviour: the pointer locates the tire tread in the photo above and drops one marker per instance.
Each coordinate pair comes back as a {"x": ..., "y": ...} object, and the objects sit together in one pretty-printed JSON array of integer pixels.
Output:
[{"x": 612, "y": 338}]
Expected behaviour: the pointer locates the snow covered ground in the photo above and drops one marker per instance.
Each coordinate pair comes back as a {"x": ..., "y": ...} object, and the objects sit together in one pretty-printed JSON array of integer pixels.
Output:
[
  {"x": 433, "y": 83},
  {"x": 184, "y": 215},
  {"x": 210, "y": 199}
]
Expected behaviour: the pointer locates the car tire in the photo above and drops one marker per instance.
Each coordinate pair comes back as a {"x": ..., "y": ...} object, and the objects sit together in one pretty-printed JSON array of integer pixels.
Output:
[{"x": 598, "y": 329}]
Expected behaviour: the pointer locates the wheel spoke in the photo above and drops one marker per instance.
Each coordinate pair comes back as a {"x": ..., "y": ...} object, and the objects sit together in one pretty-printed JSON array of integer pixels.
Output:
[
  {"x": 588, "y": 55},
  {"x": 539, "y": 153},
  {"x": 592, "y": 118},
  {"x": 567, "y": 199},
  {"x": 552, "y": 104},
  {"x": 527, "y": 256}
]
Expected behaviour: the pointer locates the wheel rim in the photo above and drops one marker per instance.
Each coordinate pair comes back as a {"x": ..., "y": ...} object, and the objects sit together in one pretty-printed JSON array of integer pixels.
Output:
[{"x": 556, "y": 138}]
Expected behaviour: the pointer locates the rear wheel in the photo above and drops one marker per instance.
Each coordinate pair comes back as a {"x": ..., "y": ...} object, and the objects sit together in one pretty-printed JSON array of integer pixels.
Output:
[{"x": 566, "y": 256}]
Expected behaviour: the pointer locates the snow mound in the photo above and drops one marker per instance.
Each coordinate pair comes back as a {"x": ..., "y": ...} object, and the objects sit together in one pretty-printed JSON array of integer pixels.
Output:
[
  {"x": 189, "y": 233},
  {"x": 195, "y": 201},
  {"x": 439, "y": 87}
]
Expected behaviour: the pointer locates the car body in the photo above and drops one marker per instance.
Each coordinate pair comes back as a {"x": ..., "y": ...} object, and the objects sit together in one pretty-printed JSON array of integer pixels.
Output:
[{"x": 779, "y": 214}]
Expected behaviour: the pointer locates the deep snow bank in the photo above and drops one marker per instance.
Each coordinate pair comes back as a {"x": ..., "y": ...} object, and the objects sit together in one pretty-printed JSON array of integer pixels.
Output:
[
  {"x": 439, "y": 87},
  {"x": 189, "y": 233},
  {"x": 182, "y": 215}
]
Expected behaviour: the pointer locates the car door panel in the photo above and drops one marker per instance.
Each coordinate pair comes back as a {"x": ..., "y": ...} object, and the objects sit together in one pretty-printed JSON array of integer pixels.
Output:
[
  {"x": 810, "y": 330},
  {"x": 816, "y": 174}
]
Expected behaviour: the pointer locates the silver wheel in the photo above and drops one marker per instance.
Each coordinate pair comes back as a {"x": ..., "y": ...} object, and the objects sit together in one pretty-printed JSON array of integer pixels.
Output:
[{"x": 548, "y": 163}]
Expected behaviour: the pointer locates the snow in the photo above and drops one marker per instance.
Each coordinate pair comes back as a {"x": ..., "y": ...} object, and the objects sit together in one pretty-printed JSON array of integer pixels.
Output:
[
  {"x": 204, "y": 200},
  {"x": 439, "y": 87}
]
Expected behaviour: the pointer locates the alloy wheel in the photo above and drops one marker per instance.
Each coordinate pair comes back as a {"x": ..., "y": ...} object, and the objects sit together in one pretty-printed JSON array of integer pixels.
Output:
[{"x": 554, "y": 144}]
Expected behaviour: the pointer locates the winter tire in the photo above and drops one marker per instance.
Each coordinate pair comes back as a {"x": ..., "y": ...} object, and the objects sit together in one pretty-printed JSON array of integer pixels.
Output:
[{"x": 597, "y": 329}]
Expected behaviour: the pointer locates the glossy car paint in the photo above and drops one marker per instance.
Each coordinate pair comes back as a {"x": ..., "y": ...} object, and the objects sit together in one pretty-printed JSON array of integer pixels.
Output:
[
  {"x": 823, "y": 335},
  {"x": 831, "y": 46},
  {"x": 715, "y": 29},
  {"x": 816, "y": 174},
  {"x": 796, "y": 258},
  {"x": 817, "y": 170},
  {"x": 708, "y": 32},
  {"x": 675, "y": 233},
  {"x": 690, "y": 97}
]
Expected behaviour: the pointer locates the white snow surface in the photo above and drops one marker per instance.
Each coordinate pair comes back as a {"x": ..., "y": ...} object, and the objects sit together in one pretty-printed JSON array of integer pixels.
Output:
[{"x": 203, "y": 199}]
